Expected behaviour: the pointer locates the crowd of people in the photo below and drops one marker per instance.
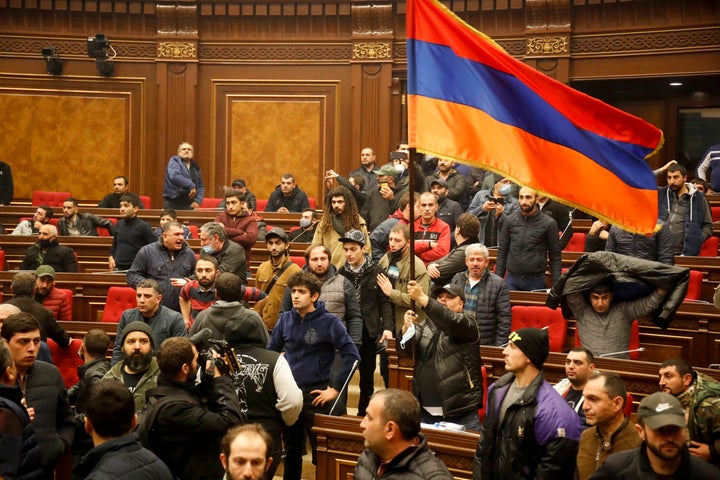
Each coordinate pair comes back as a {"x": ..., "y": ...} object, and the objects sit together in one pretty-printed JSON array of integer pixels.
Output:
[{"x": 202, "y": 385}]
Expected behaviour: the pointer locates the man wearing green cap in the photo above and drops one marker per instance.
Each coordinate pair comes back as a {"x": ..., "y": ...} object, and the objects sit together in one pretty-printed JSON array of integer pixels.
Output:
[
  {"x": 51, "y": 298},
  {"x": 663, "y": 453}
]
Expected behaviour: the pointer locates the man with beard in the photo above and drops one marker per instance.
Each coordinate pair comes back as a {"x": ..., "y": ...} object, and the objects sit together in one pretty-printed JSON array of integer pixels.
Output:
[
  {"x": 138, "y": 370},
  {"x": 163, "y": 322},
  {"x": 131, "y": 234},
  {"x": 197, "y": 295},
  {"x": 663, "y": 453},
  {"x": 287, "y": 197},
  {"x": 121, "y": 187},
  {"x": 367, "y": 168},
  {"x": 51, "y": 298},
  {"x": 464, "y": 234},
  {"x": 81, "y": 224},
  {"x": 49, "y": 252},
  {"x": 525, "y": 240},
  {"x": 448, "y": 210},
  {"x": 432, "y": 235},
  {"x": 168, "y": 261},
  {"x": 230, "y": 256},
  {"x": 344, "y": 217},
  {"x": 579, "y": 364},
  {"x": 31, "y": 226},
  {"x": 456, "y": 183},
  {"x": 179, "y": 426},
  {"x": 686, "y": 211},
  {"x": 240, "y": 227},
  {"x": 246, "y": 453},
  {"x": 273, "y": 275},
  {"x": 377, "y": 310}
]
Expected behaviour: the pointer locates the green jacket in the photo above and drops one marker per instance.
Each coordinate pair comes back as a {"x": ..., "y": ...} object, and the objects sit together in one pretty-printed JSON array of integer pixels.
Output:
[
  {"x": 701, "y": 402},
  {"x": 148, "y": 381}
]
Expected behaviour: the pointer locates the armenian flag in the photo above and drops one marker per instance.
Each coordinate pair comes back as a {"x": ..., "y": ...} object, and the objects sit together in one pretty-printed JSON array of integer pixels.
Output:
[{"x": 470, "y": 101}]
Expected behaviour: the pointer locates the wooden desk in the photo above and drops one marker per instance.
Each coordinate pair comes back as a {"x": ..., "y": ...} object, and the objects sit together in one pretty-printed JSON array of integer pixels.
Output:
[{"x": 340, "y": 443}]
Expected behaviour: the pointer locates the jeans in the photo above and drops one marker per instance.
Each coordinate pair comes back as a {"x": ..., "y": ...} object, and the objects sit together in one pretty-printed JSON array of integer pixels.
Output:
[{"x": 523, "y": 283}]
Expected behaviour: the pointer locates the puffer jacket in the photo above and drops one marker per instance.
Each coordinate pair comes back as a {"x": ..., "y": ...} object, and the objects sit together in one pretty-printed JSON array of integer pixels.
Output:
[
  {"x": 20, "y": 458},
  {"x": 58, "y": 303},
  {"x": 593, "y": 268},
  {"x": 657, "y": 247},
  {"x": 412, "y": 464},
  {"x": 492, "y": 310},
  {"x": 122, "y": 458},
  {"x": 524, "y": 244},
  {"x": 701, "y": 401},
  {"x": 455, "y": 357},
  {"x": 375, "y": 306},
  {"x": 537, "y": 439},
  {"x": 698, "y": 226}
]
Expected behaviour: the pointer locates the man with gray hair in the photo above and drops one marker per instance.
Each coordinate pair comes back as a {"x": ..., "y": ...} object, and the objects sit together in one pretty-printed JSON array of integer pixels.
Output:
[
  {"x": 229, "y": 255},
  {"x": 47, "y": 251},
  {"x": 487, "y": 298}
]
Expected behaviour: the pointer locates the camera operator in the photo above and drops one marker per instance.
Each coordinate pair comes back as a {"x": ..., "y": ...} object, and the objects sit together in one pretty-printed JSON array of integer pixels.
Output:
[
  {"x": 489, "y": 206},
  {"x": 178, "y": 426}
]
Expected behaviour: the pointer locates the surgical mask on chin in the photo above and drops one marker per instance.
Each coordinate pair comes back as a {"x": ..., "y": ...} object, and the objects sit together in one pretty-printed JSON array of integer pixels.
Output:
[
  {"x": 505, "y": 189},
  {"x": 400, "y": 168},
  {"x": 305, "y": 222},
  {"x": 208, "y": 249}
]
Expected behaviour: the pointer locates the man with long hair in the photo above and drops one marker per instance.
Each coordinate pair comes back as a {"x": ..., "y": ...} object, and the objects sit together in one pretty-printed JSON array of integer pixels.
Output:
[{"x": 341, "y": 216}]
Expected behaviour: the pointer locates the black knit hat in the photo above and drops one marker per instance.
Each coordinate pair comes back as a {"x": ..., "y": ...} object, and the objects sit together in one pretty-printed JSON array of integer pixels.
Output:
[
  {"x": 534, "y": 343},
  {"x": 137, "y": 326}
]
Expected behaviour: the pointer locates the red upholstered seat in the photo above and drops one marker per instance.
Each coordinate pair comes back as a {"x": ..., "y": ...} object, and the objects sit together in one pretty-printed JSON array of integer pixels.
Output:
[
  {"x": 695, "y": 285},
  {"x": 298, "y": 260},
  {"x": 194, "y": 231},
  {"x": 709, "y": 247},
  {"x": 481, "y": 411},
  {"x": 66, "y": 360},
  {"x": 260, "y": 204},
  {"x": 576, "y": 243},
  {"x": 628, "y": 404},
  {"x": 2, "y": 260},
  {"x": 119, "y": 299},
  {"x": 209, "y": 202},
  {"x": 147, "y": 201},
  {"x": 104, "y": 232},
  {"x": 312, "y": 202},
  {"x": 51, "y": 199},
  {"x": 634, "y": 340},
  {"x": 715, "y": 214},
  {"x": 524, "y": 316}
]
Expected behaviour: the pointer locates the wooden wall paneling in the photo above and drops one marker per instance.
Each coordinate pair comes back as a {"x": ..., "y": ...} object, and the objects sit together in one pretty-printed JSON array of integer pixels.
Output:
[
  {"x": 269, "y": 127},
  {"x": 74, "y": 135}
]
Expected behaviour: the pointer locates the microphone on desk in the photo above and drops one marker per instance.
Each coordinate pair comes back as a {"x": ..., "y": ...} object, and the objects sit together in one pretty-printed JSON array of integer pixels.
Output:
[
  {"x": 612, "y": 354},
  {"x": 344, "y": 387}
]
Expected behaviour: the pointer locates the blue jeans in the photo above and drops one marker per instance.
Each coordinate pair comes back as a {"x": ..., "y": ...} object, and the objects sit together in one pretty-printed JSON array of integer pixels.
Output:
[{"x": 523, "y": 283}]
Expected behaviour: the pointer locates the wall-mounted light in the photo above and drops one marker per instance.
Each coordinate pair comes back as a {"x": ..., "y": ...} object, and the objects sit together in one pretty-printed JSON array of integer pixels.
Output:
[
  {"x": 53, "y": 63},
  {"x": 97, "y": 48},
  {"x": 676, "y": 84}
]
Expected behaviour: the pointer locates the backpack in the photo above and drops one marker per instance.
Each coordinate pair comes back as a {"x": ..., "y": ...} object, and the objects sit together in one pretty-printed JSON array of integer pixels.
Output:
[{"x": 157, "y": 398}]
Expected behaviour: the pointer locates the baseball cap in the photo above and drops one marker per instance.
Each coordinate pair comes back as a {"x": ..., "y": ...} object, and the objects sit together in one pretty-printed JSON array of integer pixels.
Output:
[
  {"x": 239, "y": 182},
  {"x": 387, "y": 170},
  {"x": 277, "y": 232},
  {"x": 661, "y": 409},
  {"x": 354, "y": 236},
  {"x": 44, "y": 271},
  {"x": 452, "y": 289},
  {"x": 439, "y": 181}
]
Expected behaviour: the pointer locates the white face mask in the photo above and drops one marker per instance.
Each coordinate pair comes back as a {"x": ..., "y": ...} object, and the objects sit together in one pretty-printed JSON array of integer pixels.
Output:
[
  {"x": 400, "y": 168},
  {"x": 305, "y": 222},
  {"x": 505, "y": 189}
]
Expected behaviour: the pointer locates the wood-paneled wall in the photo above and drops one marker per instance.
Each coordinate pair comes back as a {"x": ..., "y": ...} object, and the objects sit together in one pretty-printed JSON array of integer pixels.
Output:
[{"x": 264, "y": 87}]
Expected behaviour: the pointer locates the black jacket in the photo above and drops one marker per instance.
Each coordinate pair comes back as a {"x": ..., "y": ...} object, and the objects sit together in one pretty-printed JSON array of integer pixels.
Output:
[
  {"x": 89, "y": 374},
  {"x": 60, "y": 257},
  {"x": 48, "y": 326},
  {"x": 415, "y": 463},
  {"x": 634, "y": 465},
  {"x": 86, "y": 224},
  {"x": 658, "y": 247},
  {"x": 186, "y": 434},
  {"x": 296, "y": 202},
  {"x": 593, "y": 268},
  {"x": 448, "y": 341},
  {"x": 20, "y": 455},
  {"x": 376, "y": 307},
  {"x": 122, "y": 458}
]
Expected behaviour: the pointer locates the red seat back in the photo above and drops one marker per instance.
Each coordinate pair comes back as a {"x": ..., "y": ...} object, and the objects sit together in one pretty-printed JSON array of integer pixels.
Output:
[
  {"x": 526, "y": 316},
  {"x": 209, "y": 202},
  {"x": 312, "y": 202},
  {"x": 260, "y": 204},
  {"x": 628, "y": 404},
  {"x": 147, "y": 201},
  {"x": 66, "y": 360},
  {"x": 194, "y": 231},
  {"x": 51, "y": 199},
  {"x": 715, "y": 214},
  {"x": 2, "y": 260},
  {"x": 695, "y": 285},
  {"x": 576, "y": 243},
  {"x": 119, "y": 299},
  {"x": 104, "y": 232},
  {"x": 709, "y": 248},
  {"x": 298, "y": 260},
  {"x": 634, "y": 340},
  {"x": 481, "y": 411}
]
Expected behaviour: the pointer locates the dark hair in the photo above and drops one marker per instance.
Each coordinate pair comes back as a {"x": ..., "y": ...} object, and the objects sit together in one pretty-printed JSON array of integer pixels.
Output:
[
  {"x": 325, "y": 248},
  {"x": 401, "y": 407},
  {"x": 235, "y": 193},
  {"x": 314, "y": 213},
  {"x": 131, "y": 198},
  {"x": 289, "y": 176},
  {"x": 149, "y": 283},
  {"x": 124, "y": 179},
  {"x": 676, "y": 167},
  {"x": 228, "y": 286},
  {"x": 73, "y": 200},
  {"x": 613, "y": 384},
  {"x": 48, "y": 210},
  {"x": 588, "y": 354},
  {"x": 110, "y": 408},
  {"x": 6, "y": 359},
  {"x": 215, "y": 228},
  {"x": 22, "y": 322},
  {"x": 23, "y": 283},
  {"x": 404, "y": 201},
  {"x": 173, "y": 354},
  {"x": 96, "y": 342},
  {"x": 682, "y": 366},
  {"x": 469, "y": 225},
  {"x": 602, "y": 287},
  {"x": 168, "y": 212},
  {"x": 255, "y": 428},
  {"x": 305, "y": 279},
  {"x": 358, "y": 180},
  {"x": 208, "y": 258},
  {"x": 401, "y": 228},
  {"x": 350, "y": 217}
]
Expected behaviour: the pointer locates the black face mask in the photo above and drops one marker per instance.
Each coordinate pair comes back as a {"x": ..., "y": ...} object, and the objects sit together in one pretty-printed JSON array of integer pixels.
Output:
[
  {"x": 44, "y": 243},
  {"x": 395, "y": 256}
]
